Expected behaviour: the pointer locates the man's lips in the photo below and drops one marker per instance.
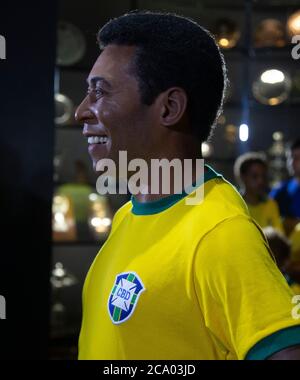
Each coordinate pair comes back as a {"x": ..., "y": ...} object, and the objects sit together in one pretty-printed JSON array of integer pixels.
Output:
[
  {"x": 99, "y": 141},
  {"x": 91, "y": 130}
]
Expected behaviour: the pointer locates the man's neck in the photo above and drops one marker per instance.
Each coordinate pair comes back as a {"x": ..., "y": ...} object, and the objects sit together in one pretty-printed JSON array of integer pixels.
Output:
[{"x": 193, "y": 172}]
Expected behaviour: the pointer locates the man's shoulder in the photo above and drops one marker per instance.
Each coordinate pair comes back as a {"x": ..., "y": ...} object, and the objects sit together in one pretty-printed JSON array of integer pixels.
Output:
[
  {"x": 221, "y": 200},
  {"x": 221, "y": 203},
  {"x": 234, "y": 236}
]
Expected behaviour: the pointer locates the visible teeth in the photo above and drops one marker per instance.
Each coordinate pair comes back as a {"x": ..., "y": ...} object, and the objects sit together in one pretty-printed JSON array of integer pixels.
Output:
[{"x": 97, "y": 140}]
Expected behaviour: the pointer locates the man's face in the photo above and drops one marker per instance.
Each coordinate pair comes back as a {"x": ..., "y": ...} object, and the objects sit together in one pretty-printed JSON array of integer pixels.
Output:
[
  {"x": 294, "y": 162},
  {"x": 112, "y": 113},
  {"x": 256, "y": 179}
]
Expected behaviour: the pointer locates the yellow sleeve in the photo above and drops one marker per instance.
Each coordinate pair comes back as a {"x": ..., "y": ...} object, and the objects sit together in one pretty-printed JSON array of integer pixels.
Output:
[{"x": 246, "y": 302}]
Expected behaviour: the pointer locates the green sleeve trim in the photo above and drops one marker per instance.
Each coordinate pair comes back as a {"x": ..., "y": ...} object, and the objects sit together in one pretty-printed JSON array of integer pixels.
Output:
[{"x": 274, "y": 343}]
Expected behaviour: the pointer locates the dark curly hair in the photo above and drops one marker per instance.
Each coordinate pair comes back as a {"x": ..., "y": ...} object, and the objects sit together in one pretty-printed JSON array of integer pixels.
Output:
[
  {"x": 173, "y": 50},
  {"x": 245, "y": 161}
]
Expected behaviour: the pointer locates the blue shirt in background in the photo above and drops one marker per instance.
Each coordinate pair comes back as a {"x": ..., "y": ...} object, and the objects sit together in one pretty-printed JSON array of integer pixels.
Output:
[{"x": 287, "y": 195}]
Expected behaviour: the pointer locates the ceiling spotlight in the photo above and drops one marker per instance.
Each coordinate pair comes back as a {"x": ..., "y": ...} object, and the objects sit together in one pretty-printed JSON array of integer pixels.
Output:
[
  {"x": 272, "y": 76},
  {"x": 206, "y": 149},
  {"x": 244, "y": 132}
]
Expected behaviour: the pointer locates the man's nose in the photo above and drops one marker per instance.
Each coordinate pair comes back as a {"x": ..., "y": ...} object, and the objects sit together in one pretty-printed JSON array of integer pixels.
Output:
[{"x": 84, "y": 114}]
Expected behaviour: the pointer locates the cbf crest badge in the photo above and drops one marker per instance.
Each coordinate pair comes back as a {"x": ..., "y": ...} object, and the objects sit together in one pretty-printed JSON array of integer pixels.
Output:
[{"x": 124, "y": 296}]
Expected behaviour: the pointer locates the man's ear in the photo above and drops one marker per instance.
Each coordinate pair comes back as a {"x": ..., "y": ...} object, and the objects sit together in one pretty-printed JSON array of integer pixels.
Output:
[{"x": 173, "y": 104}]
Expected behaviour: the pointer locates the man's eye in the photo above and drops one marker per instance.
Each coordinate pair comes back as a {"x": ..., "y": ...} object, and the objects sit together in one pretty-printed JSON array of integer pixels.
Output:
[{"x": 97, "y": 91}]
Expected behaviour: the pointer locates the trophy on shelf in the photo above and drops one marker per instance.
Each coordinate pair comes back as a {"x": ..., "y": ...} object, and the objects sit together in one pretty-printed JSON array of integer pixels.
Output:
[
  {"x": 270, "y": 33},
  {"x": 71, "y": 48},
  {"x": 277, "y": 159},
  {"x": 100, "y": 216},
  {"x": 227, "y": 33},
  {"x": 60, "y": 279},
  {"x": 63, "y": 221}
]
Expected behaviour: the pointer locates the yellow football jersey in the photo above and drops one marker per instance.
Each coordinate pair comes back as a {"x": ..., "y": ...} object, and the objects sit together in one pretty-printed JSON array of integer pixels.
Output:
[{"x": 178, "y": 281}]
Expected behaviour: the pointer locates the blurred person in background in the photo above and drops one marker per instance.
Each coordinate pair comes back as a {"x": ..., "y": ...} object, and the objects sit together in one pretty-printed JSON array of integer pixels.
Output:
[
  {"x": 251, "y": 172},
  {"x": 287, "y": 194},
  {"x": 294, "y": 267},
  {"x": 281, "y": 249}
]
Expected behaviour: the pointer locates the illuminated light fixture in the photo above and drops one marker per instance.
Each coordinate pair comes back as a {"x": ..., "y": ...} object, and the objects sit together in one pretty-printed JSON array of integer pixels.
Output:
[
  {"x": 93, "y": 197},
  {"x": 274, "y": 101},
  {"x": 244, "y": 132},
  {"x": 97, "y": 222},
  {"x": 270, "y": 33},
  {"x": 277, "y": 136},
  {"x": 63, "y": 222},
  {"x": 272, "y": 76},
  {"x": 227, "y": 33},
  {"x": 106, "y": 222},
  {"x": 60, "y": 209},
  {"x": 100, "y": 218},
  {"x": 223, "y": 42},
  {"x": 293, "y": 23},
  {"x": 59, "y": 218},
  {"x": 206, "y": 149},
  {"x": 272, "y": 87}
]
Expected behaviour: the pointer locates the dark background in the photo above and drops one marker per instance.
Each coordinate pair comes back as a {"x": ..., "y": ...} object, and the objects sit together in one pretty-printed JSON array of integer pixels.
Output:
[{"x": 26, "y": 156}]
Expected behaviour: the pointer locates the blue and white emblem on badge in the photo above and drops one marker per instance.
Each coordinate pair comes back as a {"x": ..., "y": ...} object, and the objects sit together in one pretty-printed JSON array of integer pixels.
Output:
[{"x": 124, "y": 296}]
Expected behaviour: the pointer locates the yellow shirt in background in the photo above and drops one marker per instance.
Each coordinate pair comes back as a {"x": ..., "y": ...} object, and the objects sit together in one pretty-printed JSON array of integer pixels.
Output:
[
  {"x": 266, "y": 214},
  {"x": 295, "y": 288},
  {"x": 295, "y": 242}
]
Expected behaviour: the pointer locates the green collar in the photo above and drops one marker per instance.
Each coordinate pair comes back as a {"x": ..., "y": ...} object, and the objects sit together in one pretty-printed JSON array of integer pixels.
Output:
[{"x": 154, "y": 207}]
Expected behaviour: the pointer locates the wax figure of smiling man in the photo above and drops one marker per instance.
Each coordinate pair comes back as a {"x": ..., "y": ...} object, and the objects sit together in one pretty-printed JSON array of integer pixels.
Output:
[{"x": 174, "y": 281}]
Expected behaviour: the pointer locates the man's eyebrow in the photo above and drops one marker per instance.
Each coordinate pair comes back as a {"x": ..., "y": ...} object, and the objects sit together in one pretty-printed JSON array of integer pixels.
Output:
[{"x": 94, "y": 80}]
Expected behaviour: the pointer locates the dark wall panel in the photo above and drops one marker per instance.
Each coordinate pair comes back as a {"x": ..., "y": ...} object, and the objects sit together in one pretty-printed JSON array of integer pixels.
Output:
[{"x": 26, "y": 155}]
